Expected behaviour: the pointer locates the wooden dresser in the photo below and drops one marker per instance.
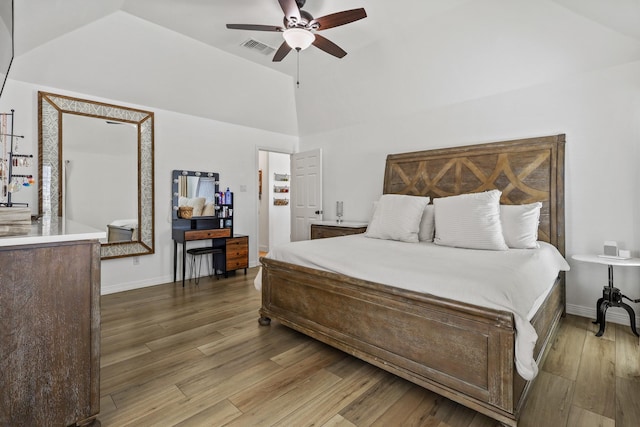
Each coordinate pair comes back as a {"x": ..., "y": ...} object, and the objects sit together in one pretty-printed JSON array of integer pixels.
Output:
[
  {"x": 50, "y": 331},
  {"x": 324, "y": 229}
]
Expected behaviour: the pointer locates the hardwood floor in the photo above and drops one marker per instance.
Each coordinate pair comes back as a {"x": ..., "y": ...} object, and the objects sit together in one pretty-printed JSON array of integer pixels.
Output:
[{"x": 196, "y": 356}]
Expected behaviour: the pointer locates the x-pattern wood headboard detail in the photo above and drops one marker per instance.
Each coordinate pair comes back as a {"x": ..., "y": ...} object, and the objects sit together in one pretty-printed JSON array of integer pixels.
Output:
[{"x": 525, "y": 170}]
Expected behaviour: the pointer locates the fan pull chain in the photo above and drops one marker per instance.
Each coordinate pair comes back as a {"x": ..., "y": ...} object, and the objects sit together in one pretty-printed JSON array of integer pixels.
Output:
[{"x": 298, "y": 67}]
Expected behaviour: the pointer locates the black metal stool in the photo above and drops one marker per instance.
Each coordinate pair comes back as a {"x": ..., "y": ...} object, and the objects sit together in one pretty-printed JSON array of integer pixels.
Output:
[{"x": 196, "y": 256}]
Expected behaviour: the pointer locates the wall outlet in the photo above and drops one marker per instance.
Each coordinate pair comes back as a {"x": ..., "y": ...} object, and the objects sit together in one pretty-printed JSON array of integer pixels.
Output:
[{"x": 136, "y": 260}]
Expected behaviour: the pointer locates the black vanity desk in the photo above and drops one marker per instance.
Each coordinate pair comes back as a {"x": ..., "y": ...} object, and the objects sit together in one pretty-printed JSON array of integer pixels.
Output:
[{"x": 198, "y": 228}]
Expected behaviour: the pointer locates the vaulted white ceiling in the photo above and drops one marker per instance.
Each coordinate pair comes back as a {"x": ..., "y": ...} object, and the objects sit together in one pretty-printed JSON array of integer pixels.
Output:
[{"x": 404, "y": 57}]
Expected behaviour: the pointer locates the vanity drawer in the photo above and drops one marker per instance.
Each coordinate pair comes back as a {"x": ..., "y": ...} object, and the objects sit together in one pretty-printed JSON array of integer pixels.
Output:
[{"x": 214, "y": 233}]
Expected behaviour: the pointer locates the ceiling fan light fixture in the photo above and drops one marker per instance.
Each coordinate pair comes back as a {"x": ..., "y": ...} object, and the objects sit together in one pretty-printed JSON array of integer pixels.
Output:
[{"x": 298, "y": 38}]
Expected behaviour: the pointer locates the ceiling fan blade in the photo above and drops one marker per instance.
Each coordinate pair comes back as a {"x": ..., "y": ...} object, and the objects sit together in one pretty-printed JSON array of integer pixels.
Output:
[
  {"x": 254, "y": 27},
  {"x": 290, "y": 9},
  {"x": 339, "y": 18},
  {"x": 282, "y": 51},
  {"x": 328, "y": 46}
]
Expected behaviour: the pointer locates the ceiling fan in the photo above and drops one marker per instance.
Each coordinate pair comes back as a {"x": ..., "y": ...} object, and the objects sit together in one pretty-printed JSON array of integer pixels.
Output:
[{"x": 299, "y": 29}]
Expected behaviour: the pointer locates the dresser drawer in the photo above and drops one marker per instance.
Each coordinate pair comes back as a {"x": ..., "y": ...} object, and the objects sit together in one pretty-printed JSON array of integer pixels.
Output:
[
  {"x": 237, "y": 253},
  {"x": 237, "y": 242},
  {"x": 236, "y": 263},
  {"x": 214, "y": 233}
]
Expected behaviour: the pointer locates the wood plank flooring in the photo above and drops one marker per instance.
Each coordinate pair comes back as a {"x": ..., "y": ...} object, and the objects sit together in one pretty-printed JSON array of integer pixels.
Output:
[{"x": 197, "y": 357}]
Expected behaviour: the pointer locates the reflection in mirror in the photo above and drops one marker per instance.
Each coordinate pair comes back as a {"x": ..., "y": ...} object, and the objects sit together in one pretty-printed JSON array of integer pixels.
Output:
[
  {"x": 98, "y": 157},
  {"x": 6, "y": 40},
  {"x": 196, "y": 190},
  {"x": 128, "y": 193}
]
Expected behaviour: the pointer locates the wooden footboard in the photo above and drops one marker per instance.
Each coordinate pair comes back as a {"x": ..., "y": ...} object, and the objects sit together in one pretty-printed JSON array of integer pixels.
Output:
[{"x": 461, "y": 351}]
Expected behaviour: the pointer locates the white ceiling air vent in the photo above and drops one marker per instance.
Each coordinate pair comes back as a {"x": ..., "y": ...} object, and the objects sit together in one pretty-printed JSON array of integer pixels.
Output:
[{"x": 258, "y": 47}]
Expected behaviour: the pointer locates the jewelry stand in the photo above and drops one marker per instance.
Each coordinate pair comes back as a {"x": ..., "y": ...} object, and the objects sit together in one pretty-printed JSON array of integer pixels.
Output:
[{"x": 10, "y": 160}]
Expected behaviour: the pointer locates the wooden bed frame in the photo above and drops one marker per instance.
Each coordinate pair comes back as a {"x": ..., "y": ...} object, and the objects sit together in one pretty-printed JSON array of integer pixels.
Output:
[{"x": 461, "y": 351}]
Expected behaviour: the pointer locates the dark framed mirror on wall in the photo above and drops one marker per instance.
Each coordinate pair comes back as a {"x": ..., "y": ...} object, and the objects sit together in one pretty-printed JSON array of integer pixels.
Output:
[{"x": 195, "y": 194}]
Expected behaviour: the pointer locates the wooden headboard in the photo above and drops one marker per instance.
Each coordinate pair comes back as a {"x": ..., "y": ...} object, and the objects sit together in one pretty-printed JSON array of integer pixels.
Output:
[{"x": 525, "y": 170}]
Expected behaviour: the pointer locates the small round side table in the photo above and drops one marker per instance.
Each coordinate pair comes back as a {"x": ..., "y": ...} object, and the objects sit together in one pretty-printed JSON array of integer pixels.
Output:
[{"x": 611, "y": 296}]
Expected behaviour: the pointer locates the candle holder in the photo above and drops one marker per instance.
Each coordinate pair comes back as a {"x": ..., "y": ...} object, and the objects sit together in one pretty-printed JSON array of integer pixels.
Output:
[{"x": 339, "y": 211}]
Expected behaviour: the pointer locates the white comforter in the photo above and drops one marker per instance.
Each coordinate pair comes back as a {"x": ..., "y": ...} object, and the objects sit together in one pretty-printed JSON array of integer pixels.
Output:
[{"x": 515, "y": 280}]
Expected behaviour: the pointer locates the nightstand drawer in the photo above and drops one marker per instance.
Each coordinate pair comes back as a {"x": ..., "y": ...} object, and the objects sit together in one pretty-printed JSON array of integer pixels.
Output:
[
  {"x": 324, "y": 231},
  {"x": 214, "y": 233}
]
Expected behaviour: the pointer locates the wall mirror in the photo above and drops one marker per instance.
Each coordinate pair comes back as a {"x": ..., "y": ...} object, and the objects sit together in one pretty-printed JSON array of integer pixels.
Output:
[
  {"x": 96, "y": 168},
  {"x": 197, "y": 190}
]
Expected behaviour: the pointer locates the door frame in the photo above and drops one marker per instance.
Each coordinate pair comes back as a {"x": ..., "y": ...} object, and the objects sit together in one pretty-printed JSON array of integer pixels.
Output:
[{"x": 255, "y": 183}]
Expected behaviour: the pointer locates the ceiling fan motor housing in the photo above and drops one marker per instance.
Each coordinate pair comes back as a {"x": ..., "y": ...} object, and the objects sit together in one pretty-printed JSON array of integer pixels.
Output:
[{"x": 305, "y": 19}]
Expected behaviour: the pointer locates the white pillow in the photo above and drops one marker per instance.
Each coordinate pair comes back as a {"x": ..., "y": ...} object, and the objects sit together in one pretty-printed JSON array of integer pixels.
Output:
[
  {"x": 520, "y": 225},
  {"x": 397, "y": 217},
  {"x": 427, "y": 224},
  {"x": 470, "y": 221}
]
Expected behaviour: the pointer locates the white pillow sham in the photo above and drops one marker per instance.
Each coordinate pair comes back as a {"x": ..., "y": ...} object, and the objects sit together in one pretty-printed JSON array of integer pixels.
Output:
[
  {"x": 520, "y": 225},
  {"x": 397, "y": 217},
  {"x": 427, "y": 224},
  {"x": 470, "y": 221}
]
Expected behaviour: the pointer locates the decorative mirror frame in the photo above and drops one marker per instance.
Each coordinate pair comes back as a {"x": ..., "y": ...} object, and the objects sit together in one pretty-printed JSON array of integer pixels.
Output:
[{"x": 51, "y": 108}]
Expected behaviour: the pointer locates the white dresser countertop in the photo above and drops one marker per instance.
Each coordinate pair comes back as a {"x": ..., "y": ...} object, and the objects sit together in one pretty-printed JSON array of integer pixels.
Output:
[
  {"x": 51, "y": 230},
  {"x": 335, "y": 223}
]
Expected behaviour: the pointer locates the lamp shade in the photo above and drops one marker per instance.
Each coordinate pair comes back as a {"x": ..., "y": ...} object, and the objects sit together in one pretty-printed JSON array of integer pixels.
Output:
[{"x": 298, "y": 38}]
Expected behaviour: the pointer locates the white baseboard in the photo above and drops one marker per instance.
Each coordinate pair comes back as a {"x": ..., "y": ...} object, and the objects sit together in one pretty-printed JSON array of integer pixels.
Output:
[
  {"x": 615, "y": 314},
  {"x": 129, "y": 286}
]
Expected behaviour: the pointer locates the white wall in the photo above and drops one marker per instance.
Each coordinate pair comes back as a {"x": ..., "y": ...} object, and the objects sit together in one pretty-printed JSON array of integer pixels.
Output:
[
  {"x": 599, "y": 112},
  {"x": 128, "y": 59},
  {"x": 181, "y": 142}
]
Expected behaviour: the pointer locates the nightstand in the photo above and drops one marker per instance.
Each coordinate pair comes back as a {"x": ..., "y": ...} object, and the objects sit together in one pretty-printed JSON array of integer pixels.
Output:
[
  {"x": 611, "y": 296},
  {"x": 324, "y": 229}
]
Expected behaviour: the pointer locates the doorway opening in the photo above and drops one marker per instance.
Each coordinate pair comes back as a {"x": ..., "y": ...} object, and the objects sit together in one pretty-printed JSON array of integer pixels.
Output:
[{"x": 274, "y": 212}]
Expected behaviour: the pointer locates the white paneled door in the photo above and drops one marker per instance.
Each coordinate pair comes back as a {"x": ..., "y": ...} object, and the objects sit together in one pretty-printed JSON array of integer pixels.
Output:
[{"x": 306, "y": 192}]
